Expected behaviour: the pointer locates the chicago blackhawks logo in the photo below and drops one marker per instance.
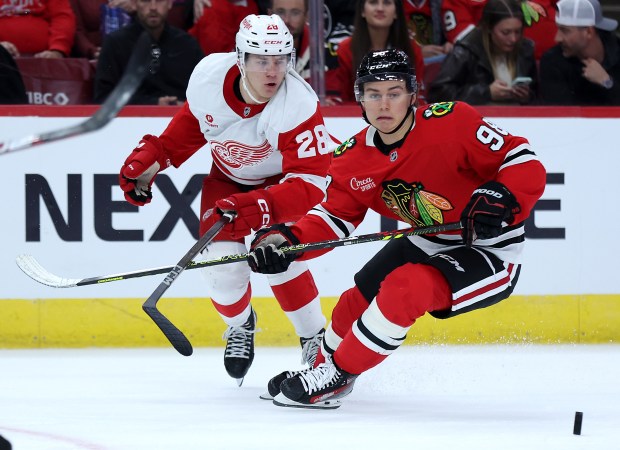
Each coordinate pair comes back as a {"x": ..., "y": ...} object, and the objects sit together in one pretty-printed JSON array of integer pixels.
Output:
[
  {"x": 439, "y": 109},
  {"x": 344, "y": 146},
  {"x": 236, "y": 155},
  {"x": 413, "y": 204}
]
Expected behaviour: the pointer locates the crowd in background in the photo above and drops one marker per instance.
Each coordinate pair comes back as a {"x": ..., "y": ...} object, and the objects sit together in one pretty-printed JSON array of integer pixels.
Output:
[{"x": 500, "y": 52}]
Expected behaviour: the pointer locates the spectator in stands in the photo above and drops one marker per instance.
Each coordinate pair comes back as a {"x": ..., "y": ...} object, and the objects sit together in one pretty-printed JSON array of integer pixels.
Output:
[
  {"x": 424, "y": 21},
  {"x": 216, "y": 28},
  {"x": 12, "y": 89},
  {"x": 584, "y": 68},
  {"x": 176, "y": 53},
  {"x": 492, "y": 63},
  {"x": 88, "y": 34},
  {"x": 461, "y": 16},
  {"x": 294, "y": 13},
  {"x": 40, "y": 28},
  {"x": 378, "y": 25}
]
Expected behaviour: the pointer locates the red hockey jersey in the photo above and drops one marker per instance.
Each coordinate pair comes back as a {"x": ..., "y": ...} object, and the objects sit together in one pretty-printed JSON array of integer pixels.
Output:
[{"x": 449, "y": 152}]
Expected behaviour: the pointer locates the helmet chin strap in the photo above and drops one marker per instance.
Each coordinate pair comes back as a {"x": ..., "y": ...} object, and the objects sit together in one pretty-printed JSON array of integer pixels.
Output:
[{"x": 247, "y": 90}]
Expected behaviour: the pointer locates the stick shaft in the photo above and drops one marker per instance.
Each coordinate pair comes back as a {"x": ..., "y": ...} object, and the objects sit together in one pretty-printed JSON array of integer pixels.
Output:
[
  {"x": 176, "y": 337},
  {"x": 133, "y": 76},
  {"x": 41, "y": 275}
]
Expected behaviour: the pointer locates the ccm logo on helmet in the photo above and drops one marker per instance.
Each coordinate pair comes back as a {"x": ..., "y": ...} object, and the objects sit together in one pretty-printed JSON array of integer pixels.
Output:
[
  {"x": 273, "y": 42},
  {"x": 488, "y": 192},
  {"x": 379, "y": 66}
]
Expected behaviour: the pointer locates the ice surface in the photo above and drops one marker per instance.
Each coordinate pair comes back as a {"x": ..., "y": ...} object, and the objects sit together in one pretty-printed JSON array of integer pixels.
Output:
[{"x": 420, "y": 398}]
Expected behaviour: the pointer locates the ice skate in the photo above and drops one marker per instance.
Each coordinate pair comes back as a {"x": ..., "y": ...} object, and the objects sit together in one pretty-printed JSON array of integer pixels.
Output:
[
  {"x": 310, "y": 348},
  {"x": 321, "y": 387},
  {"x": 239, "y": 352}
]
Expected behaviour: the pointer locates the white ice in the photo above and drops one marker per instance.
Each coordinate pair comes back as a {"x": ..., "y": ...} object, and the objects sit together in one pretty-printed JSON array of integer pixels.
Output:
[{"x": 421, "y": 398}]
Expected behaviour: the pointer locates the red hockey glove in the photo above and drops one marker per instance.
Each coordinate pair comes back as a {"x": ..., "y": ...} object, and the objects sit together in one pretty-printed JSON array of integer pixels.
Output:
[
  {"x": 252, "y": 211},
  {"x": 490, "y": 205},
  {"x": 140, "y": 168},
  {"x": 265, "y": 256}
]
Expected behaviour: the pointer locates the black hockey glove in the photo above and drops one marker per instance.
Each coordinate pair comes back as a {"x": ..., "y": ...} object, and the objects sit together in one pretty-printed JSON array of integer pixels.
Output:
[
  {"x": 489, "y": 206},
  {"x": 265, "y": 256}
]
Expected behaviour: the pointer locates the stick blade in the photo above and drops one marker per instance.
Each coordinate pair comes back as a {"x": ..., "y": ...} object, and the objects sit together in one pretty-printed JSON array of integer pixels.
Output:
[
  {"x": 174, "y": 335},
  {"x": 31, "y": 267}
]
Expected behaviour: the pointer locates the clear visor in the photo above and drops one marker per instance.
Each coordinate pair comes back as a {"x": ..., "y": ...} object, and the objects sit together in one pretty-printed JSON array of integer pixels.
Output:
[
  {"x": 268, "y": 63},
  {"x": 410, "y": 87}
]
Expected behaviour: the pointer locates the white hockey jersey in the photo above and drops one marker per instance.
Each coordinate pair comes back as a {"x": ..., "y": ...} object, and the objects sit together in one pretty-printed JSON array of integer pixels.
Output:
[{"x": 250, "y": 143}]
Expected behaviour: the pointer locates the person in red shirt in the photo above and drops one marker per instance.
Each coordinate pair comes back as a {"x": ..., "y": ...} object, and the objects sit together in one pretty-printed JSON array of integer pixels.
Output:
[
  {"x": 42, "y": 28},
  {"x": 423, "y": 19},
  {"x": 438, "y": 164},
  {"x": 461, "y": 16},
  {"x": 378, "y": 25},
  {"x": 217, "y": 26}
]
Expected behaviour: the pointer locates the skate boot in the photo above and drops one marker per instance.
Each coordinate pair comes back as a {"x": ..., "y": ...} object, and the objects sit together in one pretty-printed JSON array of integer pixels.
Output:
[
  {"x": 321, "y": 387},
  {"x": 239, "y": 352},
  {"x": 310, "y": 348}
]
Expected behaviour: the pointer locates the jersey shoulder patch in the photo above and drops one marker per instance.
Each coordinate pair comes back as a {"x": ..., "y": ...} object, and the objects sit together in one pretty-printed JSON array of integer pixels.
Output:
[
  {"x": 342, "y": 148},
  {"x": 438, "y": 110}
]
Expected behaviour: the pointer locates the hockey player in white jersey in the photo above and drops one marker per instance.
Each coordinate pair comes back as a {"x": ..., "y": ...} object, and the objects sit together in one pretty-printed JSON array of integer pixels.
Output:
[{"x": 270, "y": 149}]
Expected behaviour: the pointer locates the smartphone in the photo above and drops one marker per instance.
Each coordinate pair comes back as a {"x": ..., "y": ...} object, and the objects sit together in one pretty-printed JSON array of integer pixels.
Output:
[{"x": 521, "y": 80}]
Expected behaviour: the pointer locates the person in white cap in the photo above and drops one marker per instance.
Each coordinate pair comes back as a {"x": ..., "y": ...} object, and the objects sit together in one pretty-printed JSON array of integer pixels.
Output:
[{"x": 584, "y": 68}]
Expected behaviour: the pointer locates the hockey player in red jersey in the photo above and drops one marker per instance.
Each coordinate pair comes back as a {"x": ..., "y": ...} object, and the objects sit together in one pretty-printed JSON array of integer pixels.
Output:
[
  {"x": 270, "y": 150},
  {"x": 432, "y": 165}
]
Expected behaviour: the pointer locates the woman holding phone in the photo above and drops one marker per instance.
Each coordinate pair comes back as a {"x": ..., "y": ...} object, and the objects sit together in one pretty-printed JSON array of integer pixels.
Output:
[{"x": 493, "y": 64}]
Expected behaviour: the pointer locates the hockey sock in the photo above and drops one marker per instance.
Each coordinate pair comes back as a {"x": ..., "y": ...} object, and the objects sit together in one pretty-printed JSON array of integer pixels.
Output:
[
  {"x": 372, "y": 339},
  {"x": 349, "y": 308},
  {"x": 237, "y": 313},
  {"x": 298, "y": 297},
  {"x": 406, "y": 294}
]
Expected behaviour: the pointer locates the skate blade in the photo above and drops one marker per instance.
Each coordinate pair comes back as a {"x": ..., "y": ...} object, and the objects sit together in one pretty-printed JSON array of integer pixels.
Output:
[
  {"x": 266, "y": 396},
  {"x": 282, "y": 400},
  {"x": 239, "y": 381}
]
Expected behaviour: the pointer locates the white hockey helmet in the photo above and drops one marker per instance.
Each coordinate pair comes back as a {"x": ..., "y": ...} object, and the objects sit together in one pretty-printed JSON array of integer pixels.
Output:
[{"x": 264, "y": 35}]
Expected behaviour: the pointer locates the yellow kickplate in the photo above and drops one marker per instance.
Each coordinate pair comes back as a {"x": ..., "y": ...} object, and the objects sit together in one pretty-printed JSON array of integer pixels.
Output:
[{"x": 46, "y": 323}]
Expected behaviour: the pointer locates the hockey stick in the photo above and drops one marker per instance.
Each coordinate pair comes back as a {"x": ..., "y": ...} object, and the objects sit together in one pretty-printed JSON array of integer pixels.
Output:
[
  {"x": 174, "y": 335},
  {"x": 31, "y": 267},
  {"x": 135, "y": 72}
]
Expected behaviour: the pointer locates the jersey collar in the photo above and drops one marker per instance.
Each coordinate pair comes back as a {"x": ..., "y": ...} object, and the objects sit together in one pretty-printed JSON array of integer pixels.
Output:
[{"x": 231, "y": 85}]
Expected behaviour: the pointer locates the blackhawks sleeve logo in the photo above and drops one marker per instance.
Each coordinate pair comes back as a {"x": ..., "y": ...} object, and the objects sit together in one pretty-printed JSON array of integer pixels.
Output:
[
  {"x": 439, "y": 110},
  {"x": 413, "y": 204},
  {"x": 344, "y": 147}
]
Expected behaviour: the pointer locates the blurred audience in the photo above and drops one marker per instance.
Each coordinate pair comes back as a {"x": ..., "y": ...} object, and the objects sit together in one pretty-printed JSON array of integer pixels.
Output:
[
  {"x": 461, "y": 16},
  {"x": 218, "y": 23},
  {"x": 12, "y": 89},
  {"x": 174, "y": 51},
  {"x": 424, "y": 21},
  {"x": 294, "y": 13},
  {"x": 39, "y": 28},
  {"x": 493, "y": 63},
  {"x": 378, "y": 25},
  {"x": 92, "y": 24},
  {"x": 584, "y": 68}
]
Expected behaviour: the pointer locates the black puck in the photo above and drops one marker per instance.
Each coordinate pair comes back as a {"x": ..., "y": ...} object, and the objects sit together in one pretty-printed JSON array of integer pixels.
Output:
[{"x": 578, "y": 421}]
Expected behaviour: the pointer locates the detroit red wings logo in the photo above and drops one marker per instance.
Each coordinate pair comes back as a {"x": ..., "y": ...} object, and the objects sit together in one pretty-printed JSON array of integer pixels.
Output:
[{"x": 237, "y": 155}]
